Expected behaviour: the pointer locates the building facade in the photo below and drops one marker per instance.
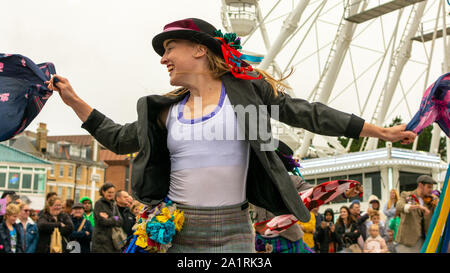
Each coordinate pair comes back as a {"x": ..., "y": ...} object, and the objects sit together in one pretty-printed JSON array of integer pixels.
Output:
[
  {"x": 23, "y": 173},
  {"x": 76, "y": 169}
]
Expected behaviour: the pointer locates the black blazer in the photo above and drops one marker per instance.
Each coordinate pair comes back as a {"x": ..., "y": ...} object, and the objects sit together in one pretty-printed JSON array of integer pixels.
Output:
[{"x": 268, "y": 183}]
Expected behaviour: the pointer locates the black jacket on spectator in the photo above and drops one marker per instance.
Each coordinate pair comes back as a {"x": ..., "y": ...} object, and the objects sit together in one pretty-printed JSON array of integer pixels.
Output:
[
  {"x": 347, "y": 238},
  {"x": 80, "y": 236},
  {"x": 325, "y": 237},
  {"x": 5, "y": 239},
  {"x": 46, "y": 225},
  {"x": 362, "y": 225},
  {"x": 102, "y": 237},
  {"x": 129, "y": 219}
]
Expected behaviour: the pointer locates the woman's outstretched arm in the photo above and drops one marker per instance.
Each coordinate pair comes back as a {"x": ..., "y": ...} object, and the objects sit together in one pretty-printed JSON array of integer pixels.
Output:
[{"x": 121, "y": 139}]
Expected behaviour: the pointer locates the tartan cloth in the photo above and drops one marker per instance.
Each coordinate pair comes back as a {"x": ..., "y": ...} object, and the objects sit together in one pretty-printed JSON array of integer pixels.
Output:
[
  {"x": 283, "y": 245},
  {"x": 214, "y": 230}
]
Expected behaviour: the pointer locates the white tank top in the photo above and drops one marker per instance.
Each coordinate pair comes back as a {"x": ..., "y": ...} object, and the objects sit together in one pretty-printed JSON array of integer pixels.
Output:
[{"x": 209, "y": 156}]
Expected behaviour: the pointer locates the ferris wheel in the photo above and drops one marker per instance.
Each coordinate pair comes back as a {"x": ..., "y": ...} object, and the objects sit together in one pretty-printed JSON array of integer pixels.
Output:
[{"x": 371, "y": 57}]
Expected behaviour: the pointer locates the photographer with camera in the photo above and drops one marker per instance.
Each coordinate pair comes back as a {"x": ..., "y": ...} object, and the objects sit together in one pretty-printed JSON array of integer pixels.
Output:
[{"x": 326, "y": 236}]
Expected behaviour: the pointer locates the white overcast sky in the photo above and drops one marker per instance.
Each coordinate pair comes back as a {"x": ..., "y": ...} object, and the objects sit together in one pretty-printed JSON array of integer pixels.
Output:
[{"x": 104, "y": 48}]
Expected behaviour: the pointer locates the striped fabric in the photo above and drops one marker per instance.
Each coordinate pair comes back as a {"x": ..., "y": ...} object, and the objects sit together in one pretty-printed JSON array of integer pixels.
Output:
[
  {"x": 283, "y": 245},
  {"x": 214, "y": 230}
]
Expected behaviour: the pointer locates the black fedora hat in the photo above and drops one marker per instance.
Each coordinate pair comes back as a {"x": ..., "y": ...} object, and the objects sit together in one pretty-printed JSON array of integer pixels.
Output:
[{"x": 192, "y": 29}]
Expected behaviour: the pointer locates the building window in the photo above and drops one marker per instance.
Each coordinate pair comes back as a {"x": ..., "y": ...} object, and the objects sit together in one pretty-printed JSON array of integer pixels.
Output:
[
  {"x": 68, "y": 193},
  {"x": 77, "y": 195},
  {"x": 408, "y": 181},
  {"x": 83, "y": 152},
  {"x": 39, "y": 183},
  {"x": 52, "y": 170},
  {"x": 61, "y": 171},
  {"x": 50, "y": 147},
  {"x": 2, "y": 180},
  {"x": 14, "y": 181},
  {"x": 59, "y": 192},
  {"x": 372, "y": 185},
  {"x": 70, "y": 171},
  {"x": 322, "y": 180},
  {"x": 26, "y": 182},
  {"x": 78, "y": 173},
  {"x": 75, "y": 150}
]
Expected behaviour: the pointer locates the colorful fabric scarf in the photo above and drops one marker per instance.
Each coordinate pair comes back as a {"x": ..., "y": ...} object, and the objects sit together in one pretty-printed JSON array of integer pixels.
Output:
[
  {"x": 22, "y": 92},
  {"x": 235, "y": 60},
  {"x": 434, "y": 107}
]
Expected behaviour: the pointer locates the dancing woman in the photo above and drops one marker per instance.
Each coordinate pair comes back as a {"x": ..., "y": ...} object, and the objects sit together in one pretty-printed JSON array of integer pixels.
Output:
[{"x": 212, "y": 179}]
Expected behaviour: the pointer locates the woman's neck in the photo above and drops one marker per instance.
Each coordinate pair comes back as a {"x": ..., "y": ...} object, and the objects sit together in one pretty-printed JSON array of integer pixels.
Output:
[{"x": 204, "y": 85}]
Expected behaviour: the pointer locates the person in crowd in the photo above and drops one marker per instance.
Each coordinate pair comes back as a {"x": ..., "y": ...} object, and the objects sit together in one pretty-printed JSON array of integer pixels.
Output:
[
  {"x": 394, "y": 223},
  {"x": 347, "y": 231},
  {"x": 319, "y": 219},
  {"x": 47, "y": 197},
  {"x": 34, "y": 215},
  {"x": 327, "y": 241},
  {"x": 415, "y": 216},
  {"x": 10, "y": 232},
  {"x": 82, "y": 229},
  {"x": 374, "y": 242},
  {"x": 53, "y": 217},
  {"x": 390, "y": 206},
  {"x": 6, "y": 198},
  {"x": 374, "y": 216},
  {"x": 10, "y": 196},
  {"x": 390, "y": 242},
  {"x": 129, "y": 219},
  {"x": 88, "y": 211},
  {"x": 130, "y": 200},
  {"x": 308, "y": 231},
  {"x": 361, "y": 219},
  {"x": 107, "y": 216},
  {"x": 67, "y": 206},
  {"x": 135, "y": 208},
  {"x": 374, "y": 204},
  {"x": 30, "y": 233}
]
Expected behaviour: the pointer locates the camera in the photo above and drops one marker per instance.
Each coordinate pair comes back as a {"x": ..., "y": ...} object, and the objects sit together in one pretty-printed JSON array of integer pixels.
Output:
[{"x": 330, "y": 224}]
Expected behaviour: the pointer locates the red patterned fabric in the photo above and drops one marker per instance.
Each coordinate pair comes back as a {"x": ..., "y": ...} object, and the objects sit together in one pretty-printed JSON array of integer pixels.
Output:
[{"x": 312, "y": 198}]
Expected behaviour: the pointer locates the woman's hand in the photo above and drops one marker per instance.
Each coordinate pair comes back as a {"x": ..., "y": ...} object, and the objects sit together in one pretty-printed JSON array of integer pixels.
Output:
[
  {"x": 104, "y": 215},
  {"x": 69, "y": 97},
  {"x": 64, "y": 89},
  {"x": 392, "y": 134},
  {"x": 398, "y": 133}
]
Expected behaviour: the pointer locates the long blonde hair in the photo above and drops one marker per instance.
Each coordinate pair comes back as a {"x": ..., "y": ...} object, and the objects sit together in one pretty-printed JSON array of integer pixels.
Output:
[
  {"x": 218, "y": 68},
  {"x": 396, "y": 199}
]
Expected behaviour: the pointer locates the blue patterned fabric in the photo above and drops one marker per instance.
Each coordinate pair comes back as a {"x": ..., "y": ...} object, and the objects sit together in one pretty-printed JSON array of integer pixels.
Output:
[{"x": 22, "y": 92}]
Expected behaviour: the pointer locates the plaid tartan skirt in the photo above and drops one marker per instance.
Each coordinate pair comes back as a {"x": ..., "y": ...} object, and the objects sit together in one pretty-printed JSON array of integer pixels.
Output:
[{"x": 215, "y": 230}]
